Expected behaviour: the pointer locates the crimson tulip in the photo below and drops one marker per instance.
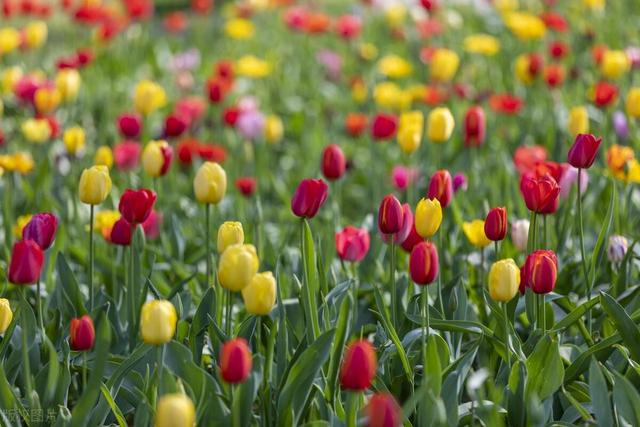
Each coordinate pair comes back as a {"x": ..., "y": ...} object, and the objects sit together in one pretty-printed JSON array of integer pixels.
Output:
[
  {"x": 246, "y": 185},
  {"x": 121, "y": 233},
  {"x": 413, "y": 238},
  {"x": 540, "y": 194},
  {"x": 126, "y": 155},
  {"x": 383, "y": 411},
  {"x": 26, "y": 263},
  {"x": 334, "y": 163},
  {"x": 174, "y": 125},
  {"x": 390, "y": 215},
  {"x": 384, "y": 126},
  {"x": 583, "y": 151},
  {"x": 474, "y": 127},
  {"x": 495, "y": 225},
  {"x": 152, "y": 225},
  {"x": 82, "y": 334},
  {"x": 309, "y": 197},
  {"x": 359, "y": 366},
  {"x": 130, "y": 125},
  {"x": 352, "y": 243},
  {"x": 441, "y": 187},
  {"x": 135, "y": 205},
  {"x": 423, "y": 263},
  {"x": 41, "y": 229},
  {"x": 235, "y": 361},
  {"x": 407, "y": 223},
  {"x": 539, "y": 272}
]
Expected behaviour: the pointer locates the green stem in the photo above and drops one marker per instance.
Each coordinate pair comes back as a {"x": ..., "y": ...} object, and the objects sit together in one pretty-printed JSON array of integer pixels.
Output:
[
  {"x": 26, "y": 369},
  {"x": 229, "y": 313},
  {"x": 439, "y": 283},
  {"x": 352, "y": 409},
  {"x": 91, "y": 259},
  {"x": 159, "y": 367},
  {"x": 84, "y": 371},
  {"x": 354, "y": 277},
  {"x": 235, "y": 409},
  {"x": 392, "y": 274},
  {"x": 585, "y": 269},
  {"x": 507, "y": 336},
  {"x": 425, "y": 328},
  {"x": 497, "y": 255},
  {"x": 313, "y": 327},
  {"x": 39, "y": 302}
]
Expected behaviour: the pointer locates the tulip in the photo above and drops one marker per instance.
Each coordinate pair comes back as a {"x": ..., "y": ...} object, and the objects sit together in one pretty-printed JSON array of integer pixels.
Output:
[
  {"x": 174, "y": 125},
  {"x": 423, "y": 263},
  {"x": 309, "y": 197},
  {"x": 210, "y": 183},
  {"x": 384, "y": 126},
  {"x": 121, "y": 233},
  {"x": 74, "y": 140},
  {"x": 474, "y": 231},
  {"x": 460, "y": 182},
  {"x": 175, "y": 410},
  {"x": 402, "y": 177},
  {"x": 632, "y": 104},
  {"x": 156, "y": 158},
  {"x": 95, "y": 185},
  {"x": 474, "y": 127},
  {"x": 604, "y": 94},
  {"x": 615, "y": 63},
  {"x": 68, "y": 84},
  {"x": 440, "y": 187},
  {"x": 444, "y": 64},
  {"x": 428, "y": 217},
  {"x": 130, "y": 125},
  {"x": 273, "y": 129},
  {"x": 82, "y": 334},
  {"x": 251, "y": 124},
  {"x": 127, "y": 155},
  {"x": 520, "y": 233},
  {"x": 41, "y": 228},
  {"x": 352, "y": 244},
  {"x": 246, "y": 185},
  {"x": 540, "y": 272},
  {"x": 152, "y": 225},
  {"x": 440, "y": 125},
  {"x": 504, "y": 280},
  {"x": 355, "y": 124},
  {"x": 412, "y": 239},
  {"x": 569, "y": 178},
  {"x": 390, "y": 215},
  {"x": 35, "y": 34},
  {"x": 620, "y": 125},
  {"x": 410, "y": 131},
  {"x": 46, "y": 99},
  {"x": 334, "y": 162},
  {"x": 235, "y": 361},
  {"x": 359, "y": 366},
  {"x": 148, "y": 97},
  {"x": 238, "y": 264},
  {"x": 36, "y": 130},
  {"x": 26, "y": 263},
  {"x": 259, "y": 295},
  {"x": 583, "y": 151},
  {"x": 495, "y": 225},
  {"x": 578, "y": 120},
  {"x": 136, "y": 205},
  {"x": 382, "y": 409},
  {"x": 6, "y": 315},
  {"x": 407, "y": 224},
  {"x": 157, "y": 322},
  {"x": 617, "y": 248},
  {"x": 540, "y": 194},
  {"x": 229, "y": 233},
  {"x": 104, "y": 157}
]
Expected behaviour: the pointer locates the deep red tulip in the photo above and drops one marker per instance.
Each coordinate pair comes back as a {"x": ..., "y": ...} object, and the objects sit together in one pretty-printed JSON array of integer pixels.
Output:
[
  {"x": 309, "y": 197},
  {"x": 412, "y": 239},
  {"x": 383, "y": 411},
  {"x": 235, "y": 361},
  {"x": 230, "y": 116},
  {"x": 224, "y": 70},
  {"x": 82, "y": 334},
  {"x": 540, "y": 194},
  {"x": 423, "y": 263},
  {"x": 334, "y": 162},
  {"x": 604, "y": 94},
  {"x": 583, "y": 151},
  {"x": 174, "y": 125},
  {"x": 41, "y": 229},
  {"x": 352, "y": 244},
  {"x": 384, "y": 126},
  {"x": 135, "y": 205},
  {"x": 429, "y": 5},
  {"x": 441, "y": 187},
  {"x": 407, "y": 224},
  {"x": 26, "y": 263},
  {"x": 246, "y": 185},
  {"x": 539, "y": 272},
  {"x": 495, "y": 225},
  {"x": 217, "y": 89},
  {"x": 121, "y": 233},
  {"x": 152, "y": 225},
  {"x": 474, "y": 127},
  {"x": 558, "y": 49},
  {"x": 554, "y": 21},
  {"x": 359, "y": 366},
  {"x": 130, "y": 125},
  {"x": 390, "y": 215},
  {"x": 506, "y": 103},
  {"x": 212, "y": 152},
  {"x": 126, "y": 155}
]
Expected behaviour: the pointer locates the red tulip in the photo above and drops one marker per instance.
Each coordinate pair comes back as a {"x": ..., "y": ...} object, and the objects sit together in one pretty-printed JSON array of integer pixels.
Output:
[
  {"x": 26, "y": 263},
  {"x": 384, "y": 126},
  {"x": 152, "y": 225},
  {"x": 505, "y": 103},
  {"x": 429, "y": 4},
  {"x": 390, "y": 215},
  {"x": 309, "y": 197},
  {"x": 334, "y": 162},
  {"x": 217, "y": 89},
  {"x": 495, "y": 225},
  {"x": 121, "y": 233},
  {"x": 130, "y": 125},
  {"x": 82, "y": 334},
  {"x": 583, "y": 151},
  {"x": 174, "y": 125},
  {"x": 212, "y": 152},
  {"x": 558, "y": 49},
  {"x": 348, "y": 26},
  {"x": 554, "y": 21},
  {"x": 352, "y": 244},
  {"x": 235, "y": 361},
  {"x": 246, "y": 185},
  {"x": 358, "y": 366},
  {"x": 412, "y": 239},
  {"x": 526, "y": 158},
  {"x": 554, "y": 75},
  {"x": 126, "y": 155},
  {"x": 355, "y": 124},
  {"x": 474, "y": 127},
  {"x": 230, "y": 116},
  {"x": 441, "y": 187},
  {"x": 135, "y": 205},
  {"x": 383, "y": 410},
  {"x": 539, "y": 272},
  {"x": 423, "y": 263},
  {"x": 604, "y": 94},
  {"x": 407, "y": 223},
  {"x": 224, "y": 69},
  {"x": 41, "y": 229},
  {"x": 540, "y": 194}
]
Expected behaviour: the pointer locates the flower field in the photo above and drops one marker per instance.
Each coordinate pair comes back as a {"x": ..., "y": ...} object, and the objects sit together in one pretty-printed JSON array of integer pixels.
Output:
[{"x": 374, "y": 213}]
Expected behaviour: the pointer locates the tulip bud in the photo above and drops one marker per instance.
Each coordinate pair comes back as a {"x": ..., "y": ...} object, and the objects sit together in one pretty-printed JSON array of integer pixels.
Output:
[
  {"x": 41, "y": 228},
  {"x": 175, "y": 410},
  {"x": 495, "y": 225},
  {"x": 156, "y": 158},
  {"x": 130, "y": 125},
  {"x": 210, "y": 183},
  {"x": 81, "y": 333},
  {"x": 578, "y": 120},
  {"x": 615, "y": 63},
  {"x": 474, "y": 127},
  {"x": 359, "y": 366},
  {"x": 148, "y": 97},
  {"x": 68, "y": 84},
  {"x": 6, "y": 315},
  {"x": 309, "y": 197},
  {"x": 428, "y": 217},
  {"x": 121, "y": 233},
  {"x": 259, "y": 295},
  {"x": 104, "y": 157},
  {"x": 46, "y": 99},
  {"x": 26, "y": 263},
  {"x": 235, "y": 361},
  {"x": 423, "y": 263},
  {"x": 390, "y": 215},
  {"x": 334, "y": 162},
  {"x": 382, "y": 409},
  {"x": 444, "y": 64},
  {"x": 410, "y": 131},
  {"x": 540, "y": 272},
  {"x": 174, "y": 125},
  {"x": 273, "y": 129},
  {"x": 157, "y": 322},
  {"x": 504, "y": 280},
  {"x": 230, "y": 233},
  {"x": 617, "y": 248},
  {"x": 74, "y": 140},
  {"x": 583, "y": 151},
  {"x": 352, "y": 244},
  {"x": 520, "y": 233},
  {"x": 474, "y": 231},
  {"x": 95, "y": 185},
  {"x": 246, "y": 185},
  {"x": 384, "y": 126},
  {"x": 440, "y": 187},
  {"x": 460, "y": 182},
  {"x": 440, "y": 125},
  {"x": 540, "y": 194},
  {"x": 135, "y": 205},
  {"x": 238, "y": 264}
]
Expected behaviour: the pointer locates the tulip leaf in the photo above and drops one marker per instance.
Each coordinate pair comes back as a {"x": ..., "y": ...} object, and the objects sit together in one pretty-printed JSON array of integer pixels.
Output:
[
  {"x": 626, "y": 400},
  {"x": 574, "y": 316},
  {"x": 599, "y": 393},
  {"x": 545, "y": 370},
  {"x": 626, "y": 327},
  {"x": 342, "y": 332},
  {"x": 112, "y": 404},
  {"x": 67, "y": 296},
  {"x": 199, "y": 325},
  {"x": 598, "y": 251}
]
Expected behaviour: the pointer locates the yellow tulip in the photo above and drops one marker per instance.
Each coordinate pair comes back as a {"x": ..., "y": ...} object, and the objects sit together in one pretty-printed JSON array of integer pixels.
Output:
[
  {"x": 175, "y": 410},
  {"x": 239, "y": 29},
  {"x": 95, "y": 185},
  {"x": 395, "y": 14},
  {"x": 9, "y": 40},
  {"x": 9, "y": 77},
  {"x": 410, "y": 130},
  {"x": 633, "y": 172},
  {"x": 474, "y": 231},
  {"x": 105, "y": 220},
  {"x": 483, "y": 44},
  {"x": 428, "y": 217},
  {"x": 594, "y": 4},
  {"x": 35, "y": 34},
  {"x": 504, "y": 280},
  {"x": 444, "y": 64},
  {"x": 21, "y": 223},
  {"x": 238, "y": 264},
  {"x": 68, "y": 83},
  {"x": 368, "y": 51},
  {"x": 632, "y": 103},
  {"x": 153, "y": 159},
  {"x": 229, "y": 233},
  {"x": 210, "y": 183},
  {"x": 273, "y": 129},
  {"x": 440, "y": 125},
  {"x": 6, "y": 315},
  {"x": 615, "y": 63},
  {"x": 47, "y": 99},
  {"x": 149, "y": 97},
  {"x": 524, "y": 26},
  {"x": 578, "y": 120},
  {"x": 260, "y": 295},
  {"x": 388, "y": 95},
  {"x": 158, "y": 322},
  {"x": 36, "y": 130},
  {"x": 394, "y": 66},
  {"x": 522, "y": 69},
  {"x": 22, "y": 162},
  {"x": 104, "y": 157},
  {"x": 250, "y": 66},
  {"x": 74, "y": 139}
]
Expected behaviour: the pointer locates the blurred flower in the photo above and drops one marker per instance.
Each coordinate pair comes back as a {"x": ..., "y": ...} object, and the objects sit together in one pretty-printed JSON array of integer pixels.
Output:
[
  {"x": 68, "y": 84},
  {"x": 251, "y": 124},
  {"x": 259, "y": 295},
  {"x": 620, "y": 125},
  {"x": 528, "y": 67},
  {"x": 120, "y": 233},
  {"x": 235, "y": 361},
  {"x": 390, "y": 215},
  {"x": 250, "y": 66},
  {"x": 539, "y": 272},
  {"x": 185, "y": 61},
  {"x": 309, "y": 197},
  {"x": 352, "y": 244},
  {"x": 246, "y": 185},
  {"x": 615, "y": 63},
  {"x": 136, "y": 205},
  {"x": 594, "y": 4},
  {"x": 175, "y": 410},
  {"x": 130, "y": 125},
  {"x": 402, "y": 177},
  {"x": 505, "y": 103},
  {"x": 504, "y": 280},
  {"x": 440, "y": 124},
  {"x": 583, "y": 152},
  {"x": 604, "y": 94},
  {"x": 26, "y": 263},
  {"x": 273, "y": 129},
  {"x": 617, "y": 248},
  {"x": 104, "y": 222},
  {"x": 440, "y": 187},
  {"x": 569, "y": 177},
  {"x": 389, "y": 96},
  {"x": 554, "y": 75},
  {"x": 237, "y": 266},
  {"x": 578, "y": 120},
  {"x": 368, "y": 51},
  {"x": 618, "y": 157},
  {"x": 348, "y": 26},
  {"x": 127, "y": 155},
  {"x": 540, "y": 194},
  {"x": 382, "y": 409},
  {"x": 41, "y": 228},
  {"x": 355, "y": 124},
  {"x": 423, "y": 263},
  {"x": 331, "y": 62},
  {"x": 334, "y": 163},
  {"x": 104, "y": 156},
  {"x": 9, "y": 40},
  {"x": 36, "y": 130},
  {"x": 526, "y": 158},
  {"x": 21, "y": 223},
  {"x": 495, "y": 225},
  {"x": 444, "y": 64},
  {"x": 474, "y": 126},
  {"x": 520, "y": 233},
  {"x": 157, "y": 322},
  {"x": 410, "y": 131},
  {"x": 632, "y": 103},
  {"x": 174, "y": 125},
  {"x": 210, "y": 183},
  {"x": 358, "y": 90},
  {"x": 239, "y": 29},
  {"x": 474, "y": 231},
  {"x": 558, "y": 49},
  {"x": 229, "y": 233},
  {"x": 74, "y": 140},
  {"x": 95, "y": 185},
  {"x": 9, "y": 77},
  {"x": 394, "y": 67},
  {"x": 6, "y": 315},
  {"x": 82, "y": 334},
  {"x": 156, "y": 158},
  {"x": 483, "y": 44},
  {"x": 524, "y": 26},
  {"x": 149, "y": 97},
  {"x": 152, "y": 225},
  {"x": 359, "y": 366},
  {"x": 428, "y": 217}
]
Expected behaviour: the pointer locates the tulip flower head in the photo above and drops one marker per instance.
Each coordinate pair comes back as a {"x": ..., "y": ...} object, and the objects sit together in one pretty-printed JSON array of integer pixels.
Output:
[
  {"x": 540, "y": 194},
  {"x": 130, "y": 125},
  {"x": 495, "y": 225},
  {"x": 95, "y": 185},
  {"x": 390, "y": 215},
  {"x": 352, "y": 244},
  {"x": 617, "y": 248},
  {"x": 6, "y": 315},
  {"x": 441, "y": 187},
  {"x": 382, "y": 409},
  {"x": 520, "y": 233},
  {"x": 474, "y": 127},
  {"x": 156, "y": 158},
  {"x": 175, "y": 410},
  {"x": 229, "y": 233},
  {"x": 334, "y": 163},
  {"x": 423, "y": 263},
  {"x": 235, "y": 361},
  {"x": 121, "y": 233},
  {"x": 238, "y": 264},
  {"x": 474, "y": 231},
  {"x": 444, "y": 64},
  {"x": 583, "y": 151},
  {"x": 359, "y": 366},
  {"x": 539, "y": 272},
  {"x": 309, "y": 197},
  {"x": 632, "y": 103},
  {"x": 157, "y": 322},
  {"x": 410, "y": 131},
  {"x": 26, "y": 263},
  {"x": 41, "y": 228},
  {"x": 578, "y": 121},
  {"x": 136, "y": 205},
  {"x": 428, "y": 217},
  {"x": 259, "y": 295},
  {"x": 82, "y": 334},
  {"x": 384, "y": 126},
  {"x": 149, "y": 97},
  {"x": 104, "y": 157},
  {"x": 504, "y": 280},
  {"x": 440, "y": 124},
  {"x": 210, "y": 183},
  {"x": 246, "y": 185},
  {"x": 402, "y": 177},
  {"x": 407, "y": 224},
  {"x": 74, "y": 140}
]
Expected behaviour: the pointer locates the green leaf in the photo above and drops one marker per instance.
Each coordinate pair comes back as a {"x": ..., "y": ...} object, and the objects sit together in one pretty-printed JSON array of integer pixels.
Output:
[
  {"x": 310, "y": 286},
  {"x": 575, "y": 315},
  {"x": 342, "y": 331},
  {"x": 601, "y": 351},
  {"x": 67, "y": 295},
  {"x": 626, "y": 400},
  {"x": 628, "y": 330},
  {"x": 112, "y": 404},
  {"x": 598, "y": 250},
  {"x": 544, "y": 369},
  {"x": 599, "y": 393},
  {"x": 199, "y": 324}
]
